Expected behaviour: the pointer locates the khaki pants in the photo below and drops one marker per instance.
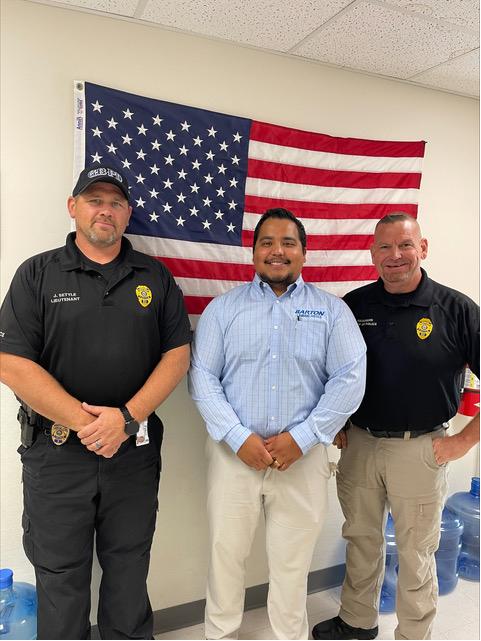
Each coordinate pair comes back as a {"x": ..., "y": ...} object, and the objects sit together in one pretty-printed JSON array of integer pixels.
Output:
[
  {"x": 373, "y": 473},
  {"x": 294, "y": 503}
]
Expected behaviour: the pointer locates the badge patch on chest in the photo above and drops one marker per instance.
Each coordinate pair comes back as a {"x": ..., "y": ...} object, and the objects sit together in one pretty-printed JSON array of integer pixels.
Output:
[
  {"x": 424, "y": 328},
  {"x": 144, "y": 295}
]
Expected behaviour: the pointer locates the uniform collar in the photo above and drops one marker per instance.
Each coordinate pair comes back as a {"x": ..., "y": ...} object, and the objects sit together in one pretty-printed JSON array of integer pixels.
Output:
[
  {"x": 72, "y": 258},
  {"x": 421, "y": 296},
  {"x": 294, "y": 289}
]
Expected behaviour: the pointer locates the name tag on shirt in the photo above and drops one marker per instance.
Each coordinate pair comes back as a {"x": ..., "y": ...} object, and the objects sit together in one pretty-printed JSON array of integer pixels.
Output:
[{"x": 142, "y": 434}]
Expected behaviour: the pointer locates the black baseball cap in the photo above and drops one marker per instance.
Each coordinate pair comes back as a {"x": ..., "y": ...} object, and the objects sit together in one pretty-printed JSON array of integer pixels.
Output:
[{"x": 101, "y": 173}]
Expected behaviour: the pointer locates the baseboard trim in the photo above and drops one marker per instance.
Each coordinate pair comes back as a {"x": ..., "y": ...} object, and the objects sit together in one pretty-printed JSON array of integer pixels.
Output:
[{"x": 187, "y": 614}]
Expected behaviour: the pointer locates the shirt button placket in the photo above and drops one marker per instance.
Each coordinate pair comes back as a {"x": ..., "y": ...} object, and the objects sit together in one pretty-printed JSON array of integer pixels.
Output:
[{"x": 275, "y": 364}]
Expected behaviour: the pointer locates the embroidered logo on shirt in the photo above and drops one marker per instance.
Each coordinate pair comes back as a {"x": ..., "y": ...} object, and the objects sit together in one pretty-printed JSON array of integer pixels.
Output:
[
  {"x": 309, "y": 313},
  {"x": 367, "y": 322},
  {"x": 424, "y": 328},
  {"x": 65, "y": 297},
  {"x": 144, "y": 295}
]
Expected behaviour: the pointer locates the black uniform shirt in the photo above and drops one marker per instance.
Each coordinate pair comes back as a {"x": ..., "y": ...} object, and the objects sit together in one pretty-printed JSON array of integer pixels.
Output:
[
  {"x": 100, "y": 330},
  {"x": 417, "y": 347}
]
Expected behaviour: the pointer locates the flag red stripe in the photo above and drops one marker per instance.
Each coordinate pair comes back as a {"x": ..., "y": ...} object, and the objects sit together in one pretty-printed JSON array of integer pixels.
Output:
[
  {"x": 184, "y": 268},
  {"x": 302, "y": 209},
  {"x": 328, "y": 241},
  {"x": 264, "y": 132},
  {"x": 326, "y": 178},
  {"x": 196, "y": 304}
]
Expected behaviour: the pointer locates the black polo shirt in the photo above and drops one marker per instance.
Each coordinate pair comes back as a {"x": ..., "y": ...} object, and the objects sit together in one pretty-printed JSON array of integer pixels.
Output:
[
  {"x": 99, "y": 330},
  {"x": 417, "y": 347}
]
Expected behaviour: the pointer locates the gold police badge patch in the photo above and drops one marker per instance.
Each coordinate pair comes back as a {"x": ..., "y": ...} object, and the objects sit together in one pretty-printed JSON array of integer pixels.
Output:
[
  {"x": 59, "y": 433},
  {"x": 144, "y": 295},
  {"x": 424, "y": 328}
]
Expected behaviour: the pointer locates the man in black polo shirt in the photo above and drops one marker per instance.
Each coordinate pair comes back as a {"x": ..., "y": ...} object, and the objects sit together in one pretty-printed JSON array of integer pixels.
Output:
[
  {"x": 419, "y": 336},
  {"x": 94, "y": 337}
]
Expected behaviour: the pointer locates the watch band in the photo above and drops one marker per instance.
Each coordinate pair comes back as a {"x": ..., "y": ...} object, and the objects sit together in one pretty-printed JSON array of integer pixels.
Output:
[{"x": 131, "y": 425}]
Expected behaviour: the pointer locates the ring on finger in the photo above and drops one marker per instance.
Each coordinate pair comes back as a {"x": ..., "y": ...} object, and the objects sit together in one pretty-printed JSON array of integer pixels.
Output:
[{"x": 98, "y": 444}]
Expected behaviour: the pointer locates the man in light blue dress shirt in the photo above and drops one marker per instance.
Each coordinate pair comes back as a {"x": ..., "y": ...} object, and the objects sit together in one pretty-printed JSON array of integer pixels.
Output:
[{"x": 278, "y": 367}]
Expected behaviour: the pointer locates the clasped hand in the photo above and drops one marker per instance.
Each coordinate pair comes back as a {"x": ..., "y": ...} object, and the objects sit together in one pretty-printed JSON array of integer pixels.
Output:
[
  {"x": 106, "y": 433},
  {"x": 278, "y": 452}
]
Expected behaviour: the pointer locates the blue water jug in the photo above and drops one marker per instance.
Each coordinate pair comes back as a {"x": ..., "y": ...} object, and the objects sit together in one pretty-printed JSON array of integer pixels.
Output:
[
  {"x": 387, "y": 601},
  {"x": 448, "y": 551},
  {"x": 18, "y": 608},
  {"x": 466, "y": 506}
]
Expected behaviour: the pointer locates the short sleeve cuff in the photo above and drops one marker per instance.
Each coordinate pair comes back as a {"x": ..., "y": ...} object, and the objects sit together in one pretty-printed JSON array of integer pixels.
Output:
[
  {"x": 236, "y": 437},
  {"x": 304, "y": 439}
]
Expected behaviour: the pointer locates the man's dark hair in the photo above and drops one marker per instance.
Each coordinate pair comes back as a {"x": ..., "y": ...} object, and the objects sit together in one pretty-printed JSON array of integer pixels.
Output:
[
  {"x": 283, "y": 214},
  {"x": 394, "y": 217}
]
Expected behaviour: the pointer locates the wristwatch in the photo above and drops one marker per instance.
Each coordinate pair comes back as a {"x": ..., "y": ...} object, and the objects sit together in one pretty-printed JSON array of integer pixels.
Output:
[{"x": 131, "y": 425}]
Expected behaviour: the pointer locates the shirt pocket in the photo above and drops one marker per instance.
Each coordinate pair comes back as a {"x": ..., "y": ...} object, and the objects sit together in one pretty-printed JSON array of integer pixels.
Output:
[{"x": 306, "y": 338}]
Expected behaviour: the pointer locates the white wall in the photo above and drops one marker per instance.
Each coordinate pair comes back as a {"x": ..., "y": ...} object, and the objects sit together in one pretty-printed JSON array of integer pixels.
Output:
[{"x": 43, "y": 50}]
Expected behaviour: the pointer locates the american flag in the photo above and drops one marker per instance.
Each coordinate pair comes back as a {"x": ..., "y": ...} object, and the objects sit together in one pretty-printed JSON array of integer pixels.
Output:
[{"x": 200, "y": 180}]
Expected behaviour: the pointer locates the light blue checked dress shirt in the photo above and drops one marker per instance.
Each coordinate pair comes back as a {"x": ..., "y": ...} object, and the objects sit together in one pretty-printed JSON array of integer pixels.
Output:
[{"x": 268, "y": 364}]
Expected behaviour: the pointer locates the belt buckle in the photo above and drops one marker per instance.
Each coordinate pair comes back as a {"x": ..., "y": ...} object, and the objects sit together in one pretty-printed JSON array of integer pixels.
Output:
[{"x": 59, "y": 433}]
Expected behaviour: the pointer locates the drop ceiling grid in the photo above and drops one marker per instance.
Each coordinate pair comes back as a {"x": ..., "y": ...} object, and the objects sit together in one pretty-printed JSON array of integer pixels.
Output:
[
  {"x": 463, "y": 13},
  {"x": 371, "y": 37},
  {"x": 434, "y": 43},
  {"x": 270, "y": 25},
  {"x": 116, "y": 7},
  {"x": 460, "y": 75}
]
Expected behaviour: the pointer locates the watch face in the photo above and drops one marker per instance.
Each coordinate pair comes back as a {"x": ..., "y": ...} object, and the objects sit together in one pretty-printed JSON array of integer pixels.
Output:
[{"x": 131, "y": 428}]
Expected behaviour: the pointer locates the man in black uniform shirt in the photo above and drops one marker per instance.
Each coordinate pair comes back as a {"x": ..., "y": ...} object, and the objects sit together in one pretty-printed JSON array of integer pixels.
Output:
[
  {"x": 419, "y": 336},
  {"x": 94, "y": 337}
]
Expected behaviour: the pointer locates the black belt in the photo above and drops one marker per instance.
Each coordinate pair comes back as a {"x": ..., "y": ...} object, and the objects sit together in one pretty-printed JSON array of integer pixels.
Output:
[
  {"x": 404, "y": 435},
  {"x": 43, "y": 424}
]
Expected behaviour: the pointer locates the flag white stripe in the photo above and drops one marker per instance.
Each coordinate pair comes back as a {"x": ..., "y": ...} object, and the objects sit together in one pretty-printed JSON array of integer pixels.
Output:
[
  {"x": 326, "y": 160},
  {"x": 182, "y": 249},
  {"x": 209, "y": 252},
  {"x": 324, "y": 226},
  {"x": 342, "y": 195},
  {"x": 338, "y": 258},
  {"x": 203, "y": 287}
]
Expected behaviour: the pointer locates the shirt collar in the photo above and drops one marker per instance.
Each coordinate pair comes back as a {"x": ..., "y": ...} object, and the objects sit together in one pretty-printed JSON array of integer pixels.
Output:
[
  {"x": 294, "y": 289},
  {"x": 421, "y": 296},
  {"x": 71, "y": 257}
]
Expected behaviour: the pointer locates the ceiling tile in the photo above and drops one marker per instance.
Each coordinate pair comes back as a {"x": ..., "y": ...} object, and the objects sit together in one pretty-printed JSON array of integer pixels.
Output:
[
  {"x": 464, "y": 13},
  {"x": 460, "y": 75},
  {"x": 119, "y": 7},
  {"x": 377, "y": 39},
  {"x": 273, "y": 25}
]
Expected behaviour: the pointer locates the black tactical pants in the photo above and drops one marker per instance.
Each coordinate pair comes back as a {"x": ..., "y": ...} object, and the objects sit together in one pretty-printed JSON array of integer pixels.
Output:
[{"x": 72, "y": 496}]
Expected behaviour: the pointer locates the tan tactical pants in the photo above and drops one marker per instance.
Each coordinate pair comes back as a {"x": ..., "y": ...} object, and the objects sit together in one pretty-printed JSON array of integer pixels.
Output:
[{"x": 373, "y": 474}]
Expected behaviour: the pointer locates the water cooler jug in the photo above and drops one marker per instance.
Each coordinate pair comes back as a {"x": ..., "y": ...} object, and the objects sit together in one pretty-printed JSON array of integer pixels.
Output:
[
  {"x": 18, "y": 608},
  {"x": 448, "y": 551},
  {"x": 466, "y": 506}
]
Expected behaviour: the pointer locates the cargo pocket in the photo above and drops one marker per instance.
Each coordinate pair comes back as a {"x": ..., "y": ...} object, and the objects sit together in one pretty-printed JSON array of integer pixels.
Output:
[
  {"x": 427, "y": 526},
  {"x": 28, "y": 545}
]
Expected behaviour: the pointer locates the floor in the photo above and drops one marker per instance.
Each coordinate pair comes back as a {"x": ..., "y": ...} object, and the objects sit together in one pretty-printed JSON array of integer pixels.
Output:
[{"x": 457, "y": 618}]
